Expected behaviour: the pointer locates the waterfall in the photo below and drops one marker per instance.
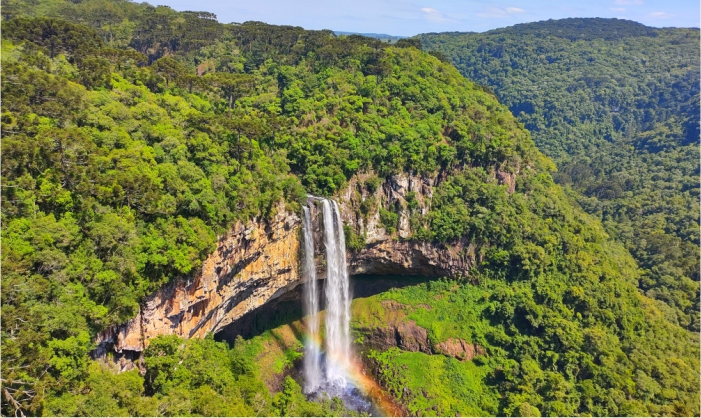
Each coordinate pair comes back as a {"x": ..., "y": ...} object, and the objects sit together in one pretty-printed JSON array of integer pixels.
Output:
[
  {"x": 338, "y": 345},
  {"x": 312, "y": 349},
  {"x": 337, "y": 356}
]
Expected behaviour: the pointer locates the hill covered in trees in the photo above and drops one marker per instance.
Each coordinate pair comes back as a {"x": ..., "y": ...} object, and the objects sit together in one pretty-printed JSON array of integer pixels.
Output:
[
  {"x": 616, "y": 105},
  {"x": 381, "y": 36},
  {"x": 133, "y": 135}
]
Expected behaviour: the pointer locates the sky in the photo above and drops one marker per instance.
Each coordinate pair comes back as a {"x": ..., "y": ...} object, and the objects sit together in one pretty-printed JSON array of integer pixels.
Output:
[{"x": 411, "y": 17}]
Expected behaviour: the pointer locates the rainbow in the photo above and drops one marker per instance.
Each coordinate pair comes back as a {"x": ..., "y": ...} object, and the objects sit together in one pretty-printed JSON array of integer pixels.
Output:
[
  {"x": 361, "y": 380},
  {"x": 372, "y": 390}
]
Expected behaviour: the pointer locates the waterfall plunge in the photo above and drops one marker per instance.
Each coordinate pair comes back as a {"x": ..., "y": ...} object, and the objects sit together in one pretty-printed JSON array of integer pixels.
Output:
[
  {"x": 338, "y": 344},
  {"x": 337, "y": 297},
  {"x": 312, "y": 349}
]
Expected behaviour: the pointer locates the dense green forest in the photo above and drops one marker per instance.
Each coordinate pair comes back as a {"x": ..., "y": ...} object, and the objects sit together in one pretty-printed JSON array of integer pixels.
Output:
[
  {"x": 616, "y": 105},
  {"x": 133, "y": 135},
  {"x": 381, "y": 36}
]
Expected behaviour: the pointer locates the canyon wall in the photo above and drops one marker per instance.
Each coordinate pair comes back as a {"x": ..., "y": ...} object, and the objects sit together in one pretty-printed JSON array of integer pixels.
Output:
[
  {"x": 256, "y": 263},
  {"x": 251, "y": 265}
]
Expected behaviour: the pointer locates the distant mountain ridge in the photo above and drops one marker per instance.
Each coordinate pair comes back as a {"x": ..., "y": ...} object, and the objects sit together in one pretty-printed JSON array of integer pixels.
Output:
[
  {"x": 580, "y": 28},
  {"x": 139, "y": 141},
  {"x": 382, "y": 36},
  {"x": 616, "y": 104}
]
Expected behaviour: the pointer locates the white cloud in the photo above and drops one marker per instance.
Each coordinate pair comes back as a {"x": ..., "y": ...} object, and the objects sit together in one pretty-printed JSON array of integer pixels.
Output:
[
  {"x": 660, "y": 15},
  {"x": 618, "y": 9},
  {"x": 500, "y": 12},
  {"x": 629, "y": 2},
  {"x": 433, "y": 15}
]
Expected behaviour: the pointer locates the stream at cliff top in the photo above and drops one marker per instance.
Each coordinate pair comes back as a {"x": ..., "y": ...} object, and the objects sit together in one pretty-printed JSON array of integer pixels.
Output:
[{"x": 330, "y": 368}]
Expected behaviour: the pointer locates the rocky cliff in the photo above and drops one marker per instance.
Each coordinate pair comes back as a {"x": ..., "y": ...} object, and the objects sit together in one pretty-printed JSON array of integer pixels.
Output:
[
  {"x": 252, "y": 264},
  {"x": 256, "y": 263},
  {"x": 399, "y": 331},
  {"x": 393, "y": 252}
]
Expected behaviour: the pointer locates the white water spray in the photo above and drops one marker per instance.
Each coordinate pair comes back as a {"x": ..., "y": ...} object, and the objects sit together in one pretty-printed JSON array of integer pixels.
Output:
[
  {"x": 331, "y": 376},
  {"x": 338, "y": 345},
  {"x": 312, "y": 350}
]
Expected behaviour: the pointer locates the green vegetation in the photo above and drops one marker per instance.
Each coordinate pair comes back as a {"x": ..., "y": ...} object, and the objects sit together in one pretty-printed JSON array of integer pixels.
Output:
[
  {"x": 189, "y": 378},
  {"x": 118, "y": 176},
  {"x": 381, "y": 36},
  {"x": 548, "y": 348},
  {"x": 134, "y": 135},
  {"x": 389, "y": 220},
  {"x": 616, "y": 105},
  {"x": 436, "y": 385},
  {"x": 354, "y": 241}
]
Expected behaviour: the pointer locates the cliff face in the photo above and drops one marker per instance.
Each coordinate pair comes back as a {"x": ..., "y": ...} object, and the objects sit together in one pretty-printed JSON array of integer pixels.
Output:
[
  {"x": 399, "y": 331},
  {"x": 251, "y": 265},
  {"x": 396, "y": 253},
  {"x": 256, "y": 263}
]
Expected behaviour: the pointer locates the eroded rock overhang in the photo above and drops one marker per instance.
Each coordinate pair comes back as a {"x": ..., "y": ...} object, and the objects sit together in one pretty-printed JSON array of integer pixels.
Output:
[{"x": 256, "y": 263}]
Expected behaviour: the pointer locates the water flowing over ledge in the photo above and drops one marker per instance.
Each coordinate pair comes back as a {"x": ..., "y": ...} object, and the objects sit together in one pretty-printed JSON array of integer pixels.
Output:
[
  {"x": 336, "y": 361},
  {"x": 312, "y": 347},
  {"x": 260, "y": 261}
]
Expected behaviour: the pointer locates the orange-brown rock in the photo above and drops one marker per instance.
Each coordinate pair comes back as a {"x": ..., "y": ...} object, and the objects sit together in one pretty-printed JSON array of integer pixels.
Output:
[
  {"x": 257, "y": 262},
  {"x": 509, "y": 179},
  {"x": 251, "y": 265},
  {"x": 459, "y": 349},
  {"x": 396, "y": 330}
]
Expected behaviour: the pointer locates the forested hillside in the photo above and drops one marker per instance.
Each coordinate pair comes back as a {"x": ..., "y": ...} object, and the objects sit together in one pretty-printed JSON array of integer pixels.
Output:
[
  {"x": 134, "y": 135},
  {"x": 616, "y": 105}
]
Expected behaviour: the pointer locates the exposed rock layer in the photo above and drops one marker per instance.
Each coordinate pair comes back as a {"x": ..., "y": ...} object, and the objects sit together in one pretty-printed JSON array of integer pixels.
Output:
[
  {"x": 255, "y": 263},
  {"x": 250, "y": 266},
  {"x": 398, "y": 331},
  {"x": 459, "y": 349}
]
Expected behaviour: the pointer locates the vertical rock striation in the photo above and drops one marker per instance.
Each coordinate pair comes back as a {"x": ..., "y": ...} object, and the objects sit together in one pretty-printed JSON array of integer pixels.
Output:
[
  {"x": 252, "y": 265},
  {"x": 257, "y": 262}
]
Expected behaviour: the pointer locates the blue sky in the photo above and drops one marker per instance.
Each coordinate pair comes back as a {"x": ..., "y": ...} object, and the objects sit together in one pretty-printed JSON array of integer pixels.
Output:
[{"x": 397, "y": 17}]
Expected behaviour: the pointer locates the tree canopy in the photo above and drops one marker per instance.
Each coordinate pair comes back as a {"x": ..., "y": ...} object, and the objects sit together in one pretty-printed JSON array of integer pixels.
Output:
[
  {"x": 616, "y": 105},
  {"x": 128, "y": 149}
]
